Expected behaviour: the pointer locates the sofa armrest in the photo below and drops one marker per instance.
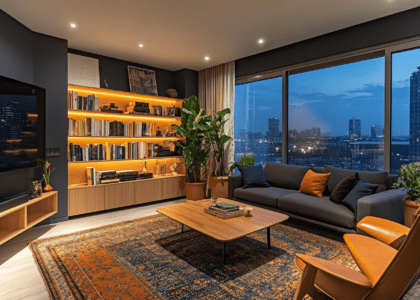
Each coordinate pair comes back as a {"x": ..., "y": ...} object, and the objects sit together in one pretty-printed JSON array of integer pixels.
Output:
[
  {"x": 386, "y": 205},
  {"x": 234, "y": 182}
]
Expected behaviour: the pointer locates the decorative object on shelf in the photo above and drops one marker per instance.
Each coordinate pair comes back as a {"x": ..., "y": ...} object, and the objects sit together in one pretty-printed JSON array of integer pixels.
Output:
[
  {"x": 170, "y": 111},
  {"x": 142, "y": 81},
  {"x": 157, "y": 110},
  {"x": 37, "y": 188},
  {"x": 138, "y": 108},
  {"x": 195, "y": 147},
  {"x": 409, "y": 175},
  {"x": 174, "y": 168},
  {"x": 171, "y": 93},
  {"x": 47, "y": 172},
  {"x": 111, "y": 108},
  {"x": 245, "y": 161}
]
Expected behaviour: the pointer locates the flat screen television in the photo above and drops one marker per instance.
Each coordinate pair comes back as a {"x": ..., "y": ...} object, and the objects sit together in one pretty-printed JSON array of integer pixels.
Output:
[{"x": 22, "y": 125}]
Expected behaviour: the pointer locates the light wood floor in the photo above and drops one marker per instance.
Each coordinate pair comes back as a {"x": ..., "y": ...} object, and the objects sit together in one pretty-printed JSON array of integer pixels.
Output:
[{"x": 19, "y": 276}]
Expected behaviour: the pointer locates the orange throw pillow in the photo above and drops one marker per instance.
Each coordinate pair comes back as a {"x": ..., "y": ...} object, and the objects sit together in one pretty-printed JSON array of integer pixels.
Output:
[{"x": 314, "y": 183}]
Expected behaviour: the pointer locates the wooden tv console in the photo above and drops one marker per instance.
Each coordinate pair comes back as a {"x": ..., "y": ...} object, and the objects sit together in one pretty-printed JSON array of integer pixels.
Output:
[{"x": 22, "y": 217}]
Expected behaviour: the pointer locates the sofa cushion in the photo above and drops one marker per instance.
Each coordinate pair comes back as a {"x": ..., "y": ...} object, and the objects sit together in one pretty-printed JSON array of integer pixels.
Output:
[
  {"x": 266, "y": 196},
  {"x": 285, "y": 176},
  {"x": 314, "y": 183},
  {"x": 380, "y": 178},
  {"x": 319, "y": 170},
  {"x": 253, "y": 176},
  {"x": 321, "y": 209},
  {"x": 343, "y": 188},
  {"x": 362, "y": 188},
  {"x": 337, "y": 175}
]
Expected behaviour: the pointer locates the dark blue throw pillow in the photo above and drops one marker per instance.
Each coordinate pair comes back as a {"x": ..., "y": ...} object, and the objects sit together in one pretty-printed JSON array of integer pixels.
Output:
[
  {"x": 361, "y": 189},
  {"x": 253, "y": 176}
]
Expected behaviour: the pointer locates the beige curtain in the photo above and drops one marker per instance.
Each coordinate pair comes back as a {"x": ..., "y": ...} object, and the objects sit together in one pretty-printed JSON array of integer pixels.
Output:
[{"x": 216, "y": 91}]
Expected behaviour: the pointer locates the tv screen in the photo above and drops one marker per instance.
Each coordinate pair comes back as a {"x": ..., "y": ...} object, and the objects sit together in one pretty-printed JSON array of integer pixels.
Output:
[{"x": 22, "y": 120}]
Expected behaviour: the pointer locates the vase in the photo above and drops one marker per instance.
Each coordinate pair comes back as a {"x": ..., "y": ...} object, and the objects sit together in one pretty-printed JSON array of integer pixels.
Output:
[
  {"x": 195, "y": 191},
  {"x": 48, "y": 188},
  {"x": 410, "y": 209}
]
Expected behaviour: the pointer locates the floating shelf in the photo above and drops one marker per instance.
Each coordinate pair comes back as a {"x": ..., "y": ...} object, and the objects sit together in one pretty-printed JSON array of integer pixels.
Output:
[
  {"x": 118, "y": 117},
  {"x": 122, "y": 160}
]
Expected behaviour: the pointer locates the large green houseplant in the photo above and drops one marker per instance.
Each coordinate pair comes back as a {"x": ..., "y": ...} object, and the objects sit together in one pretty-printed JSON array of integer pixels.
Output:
[
  {"x": 410, "y": 181},
  {"x": 195, "y": 147},
  {"x": 215, "y": 135}
]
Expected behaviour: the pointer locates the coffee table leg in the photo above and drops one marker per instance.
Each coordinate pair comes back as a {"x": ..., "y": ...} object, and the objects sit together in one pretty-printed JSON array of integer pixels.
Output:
[
  {"x": 182, "y": 228},
  {"x": 224, "y": 253},
  {"x": 268, "y": 238}
]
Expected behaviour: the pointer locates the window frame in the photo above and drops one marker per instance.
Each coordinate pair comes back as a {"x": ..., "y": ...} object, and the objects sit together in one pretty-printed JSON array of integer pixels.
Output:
[{"x": 384, "y": 50}]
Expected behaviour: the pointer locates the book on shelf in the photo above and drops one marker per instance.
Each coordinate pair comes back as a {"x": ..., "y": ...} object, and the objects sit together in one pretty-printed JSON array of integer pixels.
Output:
[
  {"x": 108, "y": 151},
  {"x": 77, "y": 102},
  {"x": 91, "y": 176}
]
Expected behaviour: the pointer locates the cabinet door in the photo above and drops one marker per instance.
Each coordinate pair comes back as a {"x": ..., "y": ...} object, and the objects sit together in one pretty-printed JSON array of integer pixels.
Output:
[
  {"x": 119, "y": 195},
  {"x": 173, "y": 187},
  {"x": 86, "y": 200},
  {"x": 148, "y": 190}
]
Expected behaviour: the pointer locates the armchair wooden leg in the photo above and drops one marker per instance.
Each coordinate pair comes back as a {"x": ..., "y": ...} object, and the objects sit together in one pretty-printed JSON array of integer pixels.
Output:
[{"x": 306, "y": 285}]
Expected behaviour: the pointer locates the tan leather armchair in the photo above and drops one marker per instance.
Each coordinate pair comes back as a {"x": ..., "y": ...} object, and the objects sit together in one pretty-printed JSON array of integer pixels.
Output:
[
  {"x": 386, "y": 273},
  {"x": 388, "y": 232}
]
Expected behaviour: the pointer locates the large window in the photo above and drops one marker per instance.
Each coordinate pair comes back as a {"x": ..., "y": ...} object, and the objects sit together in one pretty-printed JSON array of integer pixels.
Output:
[
  {"x": 258, "y": 121},
  {"x": 405, "y": 123},
  {"x": 336, "y": 116}
]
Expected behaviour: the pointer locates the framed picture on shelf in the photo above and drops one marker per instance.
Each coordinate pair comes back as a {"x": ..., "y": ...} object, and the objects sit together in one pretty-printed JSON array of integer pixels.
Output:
[
  {"x": 157, "y": 109},
  {"x": 170, "y": 111},
  {"x": 142, "y": 81}
]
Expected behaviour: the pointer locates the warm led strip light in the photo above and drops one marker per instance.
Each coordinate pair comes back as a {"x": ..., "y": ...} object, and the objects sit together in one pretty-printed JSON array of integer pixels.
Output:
[
  {"x": 122, "y": 94},
  {"x": 124, "y": 160},
  {"x": 121, "y": 139},
  {"x": 113, "y": 116}
]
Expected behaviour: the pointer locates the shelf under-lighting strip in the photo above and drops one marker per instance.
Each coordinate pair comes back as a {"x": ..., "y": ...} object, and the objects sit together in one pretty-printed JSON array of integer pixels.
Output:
[{"x": 116, "y": 117}]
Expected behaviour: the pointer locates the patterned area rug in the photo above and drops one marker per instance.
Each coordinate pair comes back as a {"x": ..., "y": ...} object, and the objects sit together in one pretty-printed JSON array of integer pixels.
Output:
[{"x": 150, "y": 258}]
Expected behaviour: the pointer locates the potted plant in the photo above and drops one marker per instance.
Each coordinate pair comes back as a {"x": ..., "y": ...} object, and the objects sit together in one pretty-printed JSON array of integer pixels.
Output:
[
  {"x": 47, "y": 172},
  {"x": 215, "y": 135},
  {"x": 410, "y": 181},
  {"x": 245, "y": 161},
  {"x": 195, "y": 148}
]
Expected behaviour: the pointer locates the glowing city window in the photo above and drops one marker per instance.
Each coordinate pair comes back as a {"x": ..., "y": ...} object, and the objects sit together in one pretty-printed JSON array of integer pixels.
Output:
[
  {"x": 336, "y": 116},
  {"x": 258, "y": 121}
]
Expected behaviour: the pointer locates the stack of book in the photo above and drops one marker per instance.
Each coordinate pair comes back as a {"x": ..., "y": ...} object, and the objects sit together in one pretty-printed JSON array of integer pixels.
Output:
[{"x": 225, "y": 208}]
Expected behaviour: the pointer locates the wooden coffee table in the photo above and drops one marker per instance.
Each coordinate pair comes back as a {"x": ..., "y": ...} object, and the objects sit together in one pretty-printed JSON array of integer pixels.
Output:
[{"x": 192, "y": 214}]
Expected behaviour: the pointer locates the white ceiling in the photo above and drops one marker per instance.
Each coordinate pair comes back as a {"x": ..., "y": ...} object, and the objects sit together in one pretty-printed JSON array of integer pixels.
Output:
[{"x": 178, "y": 34}]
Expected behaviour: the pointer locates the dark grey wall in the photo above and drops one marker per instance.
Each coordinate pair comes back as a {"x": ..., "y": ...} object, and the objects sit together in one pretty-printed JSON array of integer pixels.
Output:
[
  {"x": 40, "y": 60},
  {"x": 384, "y": 30},
  {"x": 50, "y": 72},
  {"x": 15, "y": 49},
  {"x": 186, "y": 83}
]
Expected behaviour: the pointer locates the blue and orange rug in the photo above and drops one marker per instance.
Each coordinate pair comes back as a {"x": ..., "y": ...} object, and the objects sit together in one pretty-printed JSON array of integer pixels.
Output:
[{"x": 150, "y": 258}]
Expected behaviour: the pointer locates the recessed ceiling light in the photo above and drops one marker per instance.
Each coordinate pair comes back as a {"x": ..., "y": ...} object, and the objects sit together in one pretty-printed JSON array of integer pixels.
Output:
[
  {"x": 207, "y": 58},
  {"x": 141, "y": 45},
  {"x": 260, "y": 41},
  {"x": 73, "y": 25}
]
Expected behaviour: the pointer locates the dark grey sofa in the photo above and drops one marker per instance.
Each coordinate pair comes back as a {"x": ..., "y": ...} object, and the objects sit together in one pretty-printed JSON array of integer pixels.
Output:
[{"x": 283, "y": 196}]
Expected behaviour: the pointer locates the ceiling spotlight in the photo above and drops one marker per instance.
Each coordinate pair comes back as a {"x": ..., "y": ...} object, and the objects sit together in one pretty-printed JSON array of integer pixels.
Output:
[
  {"x": 207, "y": 58},
  {"x": 260, "y": 41},
  {"x": 73, "y": 25},
  {"x": 141, "y": 45}
]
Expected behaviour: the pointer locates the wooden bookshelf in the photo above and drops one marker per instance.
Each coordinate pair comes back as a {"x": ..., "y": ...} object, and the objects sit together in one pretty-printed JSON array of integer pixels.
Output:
[
  {"x": 22, "y": 217},
  {"x": 85, "y": 199}
]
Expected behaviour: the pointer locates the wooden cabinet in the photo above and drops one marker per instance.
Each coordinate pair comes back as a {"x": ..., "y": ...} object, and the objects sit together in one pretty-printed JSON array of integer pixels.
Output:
[
  {"x": 173, "y": 187},
  {"x": 18, "y": 219},
  {"x": 87, "y": 199}
]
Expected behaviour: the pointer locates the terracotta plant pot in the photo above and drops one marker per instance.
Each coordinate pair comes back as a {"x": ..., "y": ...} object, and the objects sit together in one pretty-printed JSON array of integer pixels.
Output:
[
  {"x": 195, "y": 191},
  {"x": 219, "y": 186},
  {"x": 48, "y": 188},
  {"x": 410, "y": 208}
]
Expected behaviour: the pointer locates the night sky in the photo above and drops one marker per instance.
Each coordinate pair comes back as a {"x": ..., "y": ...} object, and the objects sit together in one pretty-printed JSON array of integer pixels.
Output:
[{"x": 329, "y": 98}]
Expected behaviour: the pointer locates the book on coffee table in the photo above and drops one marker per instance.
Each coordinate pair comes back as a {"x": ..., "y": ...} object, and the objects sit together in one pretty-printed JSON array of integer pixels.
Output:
[{"x": 226, "y": 206}]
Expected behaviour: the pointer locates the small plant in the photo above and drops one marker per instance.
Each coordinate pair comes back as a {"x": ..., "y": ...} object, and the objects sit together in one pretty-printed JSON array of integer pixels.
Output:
[
  {"x": 46, "y": 168},
  {"x": 410, "y": 181},
  {"x": 245, "y": 161}
]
